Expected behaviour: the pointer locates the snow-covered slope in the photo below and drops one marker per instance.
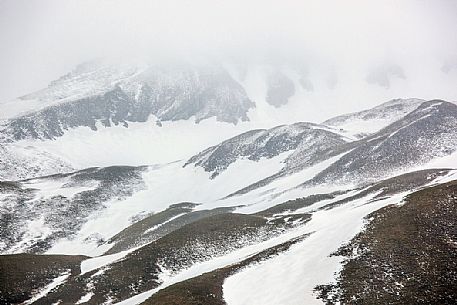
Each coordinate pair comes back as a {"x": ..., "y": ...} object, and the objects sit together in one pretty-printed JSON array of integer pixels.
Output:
[
  {"x": 250, "y": 172},
  {"x": 428, "y": 132},
  {"x": 302, "y": 138},
  {"x": 139, "y": 144},
  {"x": 37, "y": 213},
  {"x": 236, "y": 203},
  {"x": 288, "y": 280},
  {"x": 25, "y": 161},
  {"x": 112, "y": 95},
  {"x": 133, "y": 114},
  {"x": 220, "y": 240},
  {"x": 369, "y": 121}
]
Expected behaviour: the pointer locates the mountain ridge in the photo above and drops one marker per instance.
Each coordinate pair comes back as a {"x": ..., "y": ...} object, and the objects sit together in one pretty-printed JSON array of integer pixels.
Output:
[{"x": 263, "y": 196}]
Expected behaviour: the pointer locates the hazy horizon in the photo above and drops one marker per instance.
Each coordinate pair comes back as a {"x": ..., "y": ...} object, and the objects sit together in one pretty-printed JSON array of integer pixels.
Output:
[{"x": 372, "y": 50}]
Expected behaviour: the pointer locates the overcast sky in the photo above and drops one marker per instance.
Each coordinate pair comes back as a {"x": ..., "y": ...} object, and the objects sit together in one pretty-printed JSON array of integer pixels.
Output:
[{"x": 41, "y": 40}]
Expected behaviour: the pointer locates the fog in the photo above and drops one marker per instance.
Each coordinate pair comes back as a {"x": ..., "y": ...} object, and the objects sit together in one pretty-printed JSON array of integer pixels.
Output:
[{"x": 374, "y": 50}]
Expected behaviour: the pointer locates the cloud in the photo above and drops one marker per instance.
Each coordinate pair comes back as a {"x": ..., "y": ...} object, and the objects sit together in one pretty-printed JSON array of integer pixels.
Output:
[{"x": 44, "y": 39}]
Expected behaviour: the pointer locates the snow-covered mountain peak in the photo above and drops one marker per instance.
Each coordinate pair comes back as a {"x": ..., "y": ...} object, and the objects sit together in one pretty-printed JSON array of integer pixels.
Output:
[{"x": 119, "y": 94}]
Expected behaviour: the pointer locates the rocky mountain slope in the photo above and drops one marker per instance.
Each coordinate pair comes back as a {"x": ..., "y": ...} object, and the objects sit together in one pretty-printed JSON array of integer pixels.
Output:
[
  {"x": 427, "y": 132},
  {"x": 212, "y": 242},
  {"x": 407, "y": 253},
  {"x": 270, "y": 203},
  {"x": 99, "y": 93},
  {"x": 36, "y": 213},
  {"x": 304, "y": 139}
]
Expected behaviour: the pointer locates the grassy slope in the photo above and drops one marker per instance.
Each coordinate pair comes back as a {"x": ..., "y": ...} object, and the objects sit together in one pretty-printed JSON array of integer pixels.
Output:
[{"x": 21, "y": 274}]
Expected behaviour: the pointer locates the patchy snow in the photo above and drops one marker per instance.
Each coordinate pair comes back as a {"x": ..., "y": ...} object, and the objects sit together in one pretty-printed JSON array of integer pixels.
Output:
[
  {"x": 169, "y": 278},
  {"x": 286, "y": 279},
  {"x": 46, "y": 188},
  {"x": 291, "y": 277},
  {"x": 280, "y": 190},
  {"x": 407, "y": 125},
  {"x": 55, "y": 283},
  {"x": 449, "y": 161},
  {"x": 172, "y": 183},
  {"x": 327, "y": 231},
  {"x": 452, "y": 175},
  {"x": 25, "y": 161},
  {"x": 446, "y": 162},
  {"x": 36, "y": 230},
  {"x": 165, "y": 185},
  {"x": 345, "y": 135},
  {"x": 314, "y": 207},
  {"x": 359, "y": 126}
]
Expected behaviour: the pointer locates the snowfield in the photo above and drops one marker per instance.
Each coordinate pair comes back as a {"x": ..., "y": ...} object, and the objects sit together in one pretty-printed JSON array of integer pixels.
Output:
[
  {"x": 139, "y": 144},
  {"x": 170, "y": 184}
]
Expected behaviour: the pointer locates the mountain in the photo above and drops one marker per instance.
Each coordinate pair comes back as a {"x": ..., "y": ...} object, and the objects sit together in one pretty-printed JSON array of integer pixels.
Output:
[
  {"x": 388, "y": 254},
  {"x": 280, "y": 88},
  {"x": 35, "y": 213},
  {"x": 235, "y": 211},
  {"x": 428, "y": 132},
  {"x": 97, "y": 93},
  {"x": 211, "y": 243},
  {"x": 302, "y": 138}
]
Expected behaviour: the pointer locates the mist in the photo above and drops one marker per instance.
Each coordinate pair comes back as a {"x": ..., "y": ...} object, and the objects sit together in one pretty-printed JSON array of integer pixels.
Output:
[{"x": 355, "y": 53}]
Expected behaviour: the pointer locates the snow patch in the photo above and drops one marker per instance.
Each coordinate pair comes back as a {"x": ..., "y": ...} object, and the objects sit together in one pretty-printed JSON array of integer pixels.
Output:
[
  {"x": 85, "y": 298},
  {"x": 54, "y": 284},
  {"x": 104, "y": 260}
]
